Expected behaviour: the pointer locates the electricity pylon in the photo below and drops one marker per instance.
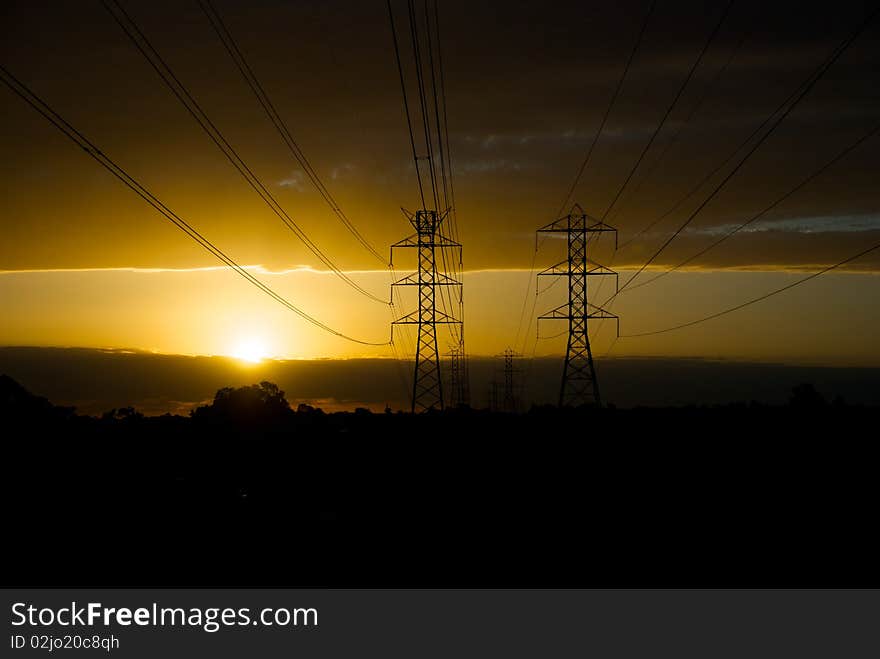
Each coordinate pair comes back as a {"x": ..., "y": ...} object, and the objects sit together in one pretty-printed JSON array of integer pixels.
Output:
[
  {"x": 427, "y": 383},
  {"x": 579, "y": 385},
  {"x": 464, "y": 375},
  {"x": 510, "y": 401},
  {"x": 458, "y": 389}
]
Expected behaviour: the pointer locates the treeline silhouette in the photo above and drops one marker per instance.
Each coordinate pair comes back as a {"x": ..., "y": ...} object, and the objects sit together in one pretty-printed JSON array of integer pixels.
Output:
[{"x": 247, "y": 491}]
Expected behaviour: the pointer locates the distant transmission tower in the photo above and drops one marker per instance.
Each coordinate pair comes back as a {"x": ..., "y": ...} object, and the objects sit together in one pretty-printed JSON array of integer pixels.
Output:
[
  {"x": 510, "y": 401},
  {"x": 457, "y": 377},
  {"x": 579, "y": 385},
  {"x": 427, "y": 383},
  {"x": 464, "y": 376}
]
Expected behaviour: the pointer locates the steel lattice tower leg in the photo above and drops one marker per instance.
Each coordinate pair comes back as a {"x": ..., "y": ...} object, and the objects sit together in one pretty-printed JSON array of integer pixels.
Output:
[
  {"x": 427, "y": 382},
  {"x": 579, "y": 385},
  {"x": 578, "y": 375}
]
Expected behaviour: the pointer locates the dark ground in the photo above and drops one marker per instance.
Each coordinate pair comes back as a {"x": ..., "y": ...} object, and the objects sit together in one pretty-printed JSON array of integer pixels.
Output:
[{"x": 248, "y": 493}]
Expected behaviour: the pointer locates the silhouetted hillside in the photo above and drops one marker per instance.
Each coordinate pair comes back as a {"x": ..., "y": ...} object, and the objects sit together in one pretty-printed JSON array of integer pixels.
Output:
[
  {"x": 18, "y": 404},
  {"x": 250, "y": 492}
]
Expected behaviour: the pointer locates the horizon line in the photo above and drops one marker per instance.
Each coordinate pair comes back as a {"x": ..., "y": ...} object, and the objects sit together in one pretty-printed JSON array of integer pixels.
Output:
[
  {"x": 768, "y": 268},
  {"x": 700, "y": 358}
]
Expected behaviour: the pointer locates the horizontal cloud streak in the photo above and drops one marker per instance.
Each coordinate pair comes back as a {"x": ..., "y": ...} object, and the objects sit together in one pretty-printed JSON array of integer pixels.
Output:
[{"x": 820, "y": 224}]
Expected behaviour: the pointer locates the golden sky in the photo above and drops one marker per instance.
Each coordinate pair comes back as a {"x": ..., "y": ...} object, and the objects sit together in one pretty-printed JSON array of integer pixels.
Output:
[
  {"x": 87, "y": 263},
  {"x": 214, "y": 312}
]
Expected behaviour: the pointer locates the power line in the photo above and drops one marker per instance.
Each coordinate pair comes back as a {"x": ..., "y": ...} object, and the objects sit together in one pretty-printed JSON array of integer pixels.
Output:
[
  {"x": 837, "y": 158},
  {"x": 836, "y": 55},
  {"x": 443, "y": 135},
  {"x": 412, "y": 140},
  {"x": 440, "y": 118},
  {"x": 446, "y": 158},
  {"x": 420, "y": 85},
  {"x": 31, "y": 98},
  {"x": 454, "y": 225},
  {"x": 446, "y": 301},
  {"x": 678, "y": 94},
  {"x": 440, "y": 150},
  {"x": 458, "y": 269},
  {"x": 231, "y": 46},
  {"x": 675, "y": 100},
  {"x": 580, "y": 173},
  {"x": 412, "y": 137},
  {"x": 140, "y": 41},
  {"x": 443, "y": 166},
  {"x": 611, "y": 102},
  {"x": 732, "y": 155},
  {"x": 429, "y": 221},
  {"x": 684, "y": 124},
  {"x": 525, "y": 302},
  {"x": 758, "y": 299},
  {"x": 229, "y": 43},
  {"x": 553, "y": 336},
  {"x": 548, "y": 286}
]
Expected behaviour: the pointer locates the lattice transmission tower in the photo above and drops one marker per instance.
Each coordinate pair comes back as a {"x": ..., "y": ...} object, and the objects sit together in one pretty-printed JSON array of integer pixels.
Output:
[
  {"x": 427, "y": 391},
  {"x": 579, "y": 385},
  {"x": 459, "y": 391},
  {"x": 510, "y": 402},
  {"x": 463, "y": 392}
]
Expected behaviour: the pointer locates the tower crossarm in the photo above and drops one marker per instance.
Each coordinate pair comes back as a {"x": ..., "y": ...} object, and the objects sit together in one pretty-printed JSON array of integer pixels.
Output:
[
  {"x": 439, "y": 241},
  {"x": 440, "y": 279},
  {"x": 563, "y": 269},
  {"x": 579, "y": 222},
  {"x": 563, "y": 312},
  {"x": 440, "y": 318}
]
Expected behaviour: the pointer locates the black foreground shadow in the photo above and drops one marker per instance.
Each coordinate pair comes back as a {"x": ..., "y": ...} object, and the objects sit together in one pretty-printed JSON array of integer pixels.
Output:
[{"x": 247, "y": 492}]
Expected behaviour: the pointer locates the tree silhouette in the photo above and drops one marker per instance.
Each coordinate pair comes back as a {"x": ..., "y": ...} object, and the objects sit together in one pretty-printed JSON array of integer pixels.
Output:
[
  {"x": 122, "y": 414},
  {"x": 262, "y": 403},
  {"x": 804, "y": 396}
]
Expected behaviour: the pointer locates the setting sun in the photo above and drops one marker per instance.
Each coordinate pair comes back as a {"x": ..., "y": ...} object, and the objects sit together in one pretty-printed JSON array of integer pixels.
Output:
[{"x": 250, "y": 349}]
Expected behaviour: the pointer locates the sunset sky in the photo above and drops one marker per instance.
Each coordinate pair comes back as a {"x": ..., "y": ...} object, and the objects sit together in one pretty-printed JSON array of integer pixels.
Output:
[{"x": 87, "y": 263}]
